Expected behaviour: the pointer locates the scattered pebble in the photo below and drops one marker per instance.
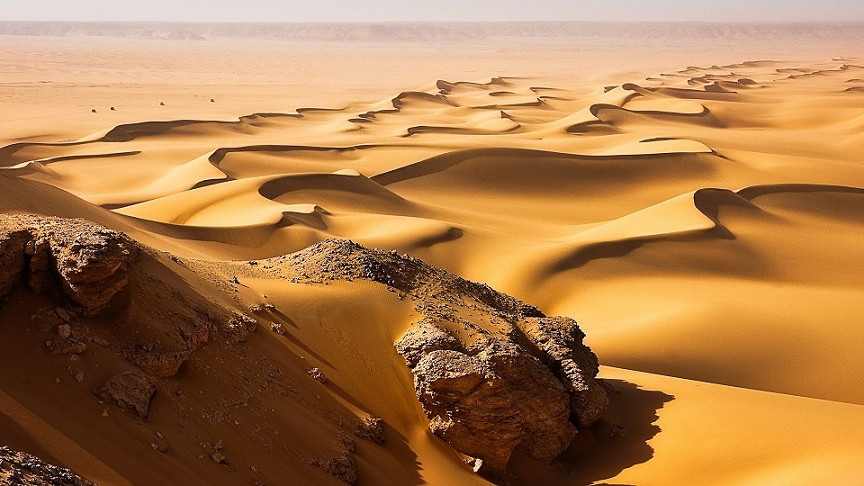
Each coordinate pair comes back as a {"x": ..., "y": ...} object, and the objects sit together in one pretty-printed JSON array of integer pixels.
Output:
[
  {"x": 317, "y": 375},
  {"x": 63, "y": 314},
  {"x": 64, "y": 331}
]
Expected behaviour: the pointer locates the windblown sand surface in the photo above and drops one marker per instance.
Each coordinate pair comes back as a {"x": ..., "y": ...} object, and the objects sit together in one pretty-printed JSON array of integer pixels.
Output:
[{"x": 702, "y": 222}]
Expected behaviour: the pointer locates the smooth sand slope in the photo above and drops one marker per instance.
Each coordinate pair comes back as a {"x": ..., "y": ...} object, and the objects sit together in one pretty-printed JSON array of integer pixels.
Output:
[{"x": 703, "y": 224}]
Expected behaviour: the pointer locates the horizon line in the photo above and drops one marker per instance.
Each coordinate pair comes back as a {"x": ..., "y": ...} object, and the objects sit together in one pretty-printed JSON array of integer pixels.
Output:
[{"x": 438, "y": 22}]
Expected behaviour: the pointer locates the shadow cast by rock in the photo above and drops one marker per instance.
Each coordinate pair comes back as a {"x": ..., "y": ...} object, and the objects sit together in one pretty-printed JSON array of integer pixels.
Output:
[{"x": 617, "y": 442}]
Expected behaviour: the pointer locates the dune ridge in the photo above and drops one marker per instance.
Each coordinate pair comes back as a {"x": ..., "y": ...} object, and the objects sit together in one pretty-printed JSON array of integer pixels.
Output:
[{"x": 702, "y": 224}]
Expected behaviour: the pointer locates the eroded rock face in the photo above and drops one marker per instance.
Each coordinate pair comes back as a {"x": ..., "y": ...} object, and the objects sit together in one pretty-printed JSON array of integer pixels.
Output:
[
  {"x": 573, "y": 363},
  {"x": 489, "y": 404},
  {"x": 12, "y": 257},
  {"x": 131, "y": 391},
  {"x": 89, "y": 262},
  {"x": 21, "y": 468},
  {"x": 529, "y": 389}
]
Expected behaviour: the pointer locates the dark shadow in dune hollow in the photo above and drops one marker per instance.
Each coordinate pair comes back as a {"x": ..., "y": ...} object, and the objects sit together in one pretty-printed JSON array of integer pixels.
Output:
[{"x": 618, "y": 442}]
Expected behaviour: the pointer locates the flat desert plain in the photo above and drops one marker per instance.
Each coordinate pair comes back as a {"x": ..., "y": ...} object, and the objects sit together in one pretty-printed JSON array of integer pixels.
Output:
[{"x": 696, "y": 205}]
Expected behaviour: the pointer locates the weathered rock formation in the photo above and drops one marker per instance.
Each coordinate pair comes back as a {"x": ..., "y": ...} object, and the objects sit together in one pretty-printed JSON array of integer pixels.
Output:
[
  {"x": 88, "y": 262},
  {"x": 494, "y": 375},
  {"x": 573, "y": 363},
  {"x": 19, "y": 468},
  {"x": 488, "y": 404},
  {"x": 489, "y": 395}
]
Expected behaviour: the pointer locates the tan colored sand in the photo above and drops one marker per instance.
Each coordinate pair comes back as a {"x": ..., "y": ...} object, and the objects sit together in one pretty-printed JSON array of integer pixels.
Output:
[{"x": 703, "y": 224}]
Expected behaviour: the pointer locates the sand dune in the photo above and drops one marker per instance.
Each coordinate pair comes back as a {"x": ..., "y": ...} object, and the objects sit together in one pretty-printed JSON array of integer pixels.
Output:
[{"x": 702, "y": 223}]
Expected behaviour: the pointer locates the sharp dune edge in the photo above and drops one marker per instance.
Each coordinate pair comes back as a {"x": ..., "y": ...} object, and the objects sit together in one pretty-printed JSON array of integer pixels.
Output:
[{"x": 265, "y": 295}]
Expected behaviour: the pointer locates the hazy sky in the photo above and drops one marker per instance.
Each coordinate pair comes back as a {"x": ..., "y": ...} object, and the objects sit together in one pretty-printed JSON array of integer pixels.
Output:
[{"x": 434, "y": 10}]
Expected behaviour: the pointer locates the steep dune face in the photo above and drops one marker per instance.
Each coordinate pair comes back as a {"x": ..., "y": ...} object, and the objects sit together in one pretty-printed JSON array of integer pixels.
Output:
[{"x": 702, "y": 224}]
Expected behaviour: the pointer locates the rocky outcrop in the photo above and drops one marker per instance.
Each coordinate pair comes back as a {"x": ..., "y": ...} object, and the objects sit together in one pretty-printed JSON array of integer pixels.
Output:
[
  {"x": 131, "y": 391},
  {"x": 88, "y": 262},
  {"x": 489, "y": 404},
  {"x": 19, "y": 468},
  {"x": 528, "y": 384},
  {"x": 12, "y": 257},
  {"x": 493, "y": 374},
  {"x": 341, "y": 467},
  {"x": 573, "y": 363}
]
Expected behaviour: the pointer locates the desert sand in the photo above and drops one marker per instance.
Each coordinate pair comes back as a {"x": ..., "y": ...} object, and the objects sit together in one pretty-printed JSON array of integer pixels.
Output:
[{"x": 698, "y": 209}]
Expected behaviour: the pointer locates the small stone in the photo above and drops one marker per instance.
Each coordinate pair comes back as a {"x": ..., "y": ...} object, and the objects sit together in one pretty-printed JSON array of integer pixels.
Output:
[
  {"x": 370, "y": 428},
  {"x": 317, "y": 375},
  {"x": 160, "y": 445},
  {"x": 98, "y": 340},
  {"x": 64, "y": 331},
  {"x": 79, "y": 376},
  {"x": 277, "y": 328},
  {"x": 218, "y": 458},
  {"x": 105, "y": 412},
  {"x": 63, "y": 314}
]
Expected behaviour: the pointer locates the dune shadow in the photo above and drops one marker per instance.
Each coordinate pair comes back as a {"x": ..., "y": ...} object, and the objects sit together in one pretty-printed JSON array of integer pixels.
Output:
[
  {"x": 394, "y": 464},
  {"x": 619, "y": 441},
  {"x": 284, "y": 319}
]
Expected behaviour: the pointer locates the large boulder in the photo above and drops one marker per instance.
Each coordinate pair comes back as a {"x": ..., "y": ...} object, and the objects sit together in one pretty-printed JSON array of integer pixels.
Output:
[
  {"x": 497, "y": 382},
  {"x": 131, "y": 391},
  {"x": 490, "y": 404}
]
